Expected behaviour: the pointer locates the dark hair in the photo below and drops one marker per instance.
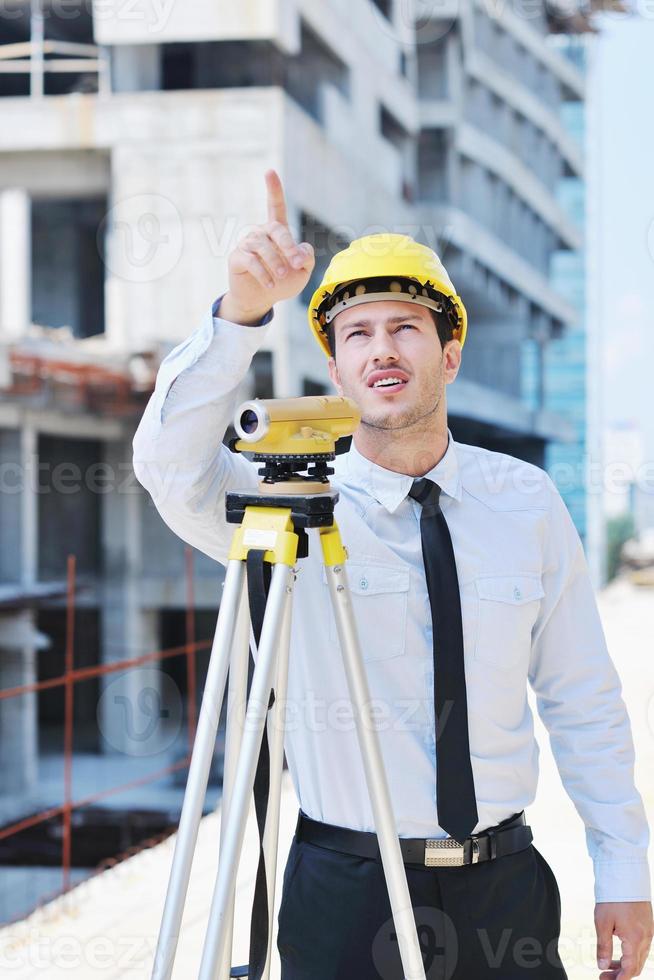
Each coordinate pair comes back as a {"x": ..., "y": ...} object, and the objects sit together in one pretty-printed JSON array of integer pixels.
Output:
[{"x": 443, "y": 328}]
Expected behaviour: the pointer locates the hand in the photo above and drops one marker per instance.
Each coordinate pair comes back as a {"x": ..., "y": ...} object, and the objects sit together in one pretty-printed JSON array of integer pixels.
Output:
[
  {"x": 632, "y": 923},
  {"x": 267, "y": 265}
]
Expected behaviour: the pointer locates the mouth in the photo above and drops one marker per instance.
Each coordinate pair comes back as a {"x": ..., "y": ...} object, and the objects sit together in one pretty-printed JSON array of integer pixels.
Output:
[
  {"x": 389, "y": 389},
  {"x": 388, "y": 382}
]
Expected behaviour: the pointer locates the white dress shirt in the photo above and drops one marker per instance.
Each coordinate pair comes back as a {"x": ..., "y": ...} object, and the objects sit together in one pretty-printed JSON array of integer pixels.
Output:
[{"x": 528, "y": 608}]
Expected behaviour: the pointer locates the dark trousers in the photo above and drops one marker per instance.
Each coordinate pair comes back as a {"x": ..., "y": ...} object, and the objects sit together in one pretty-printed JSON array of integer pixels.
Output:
[{"x": 495, "y": 920}]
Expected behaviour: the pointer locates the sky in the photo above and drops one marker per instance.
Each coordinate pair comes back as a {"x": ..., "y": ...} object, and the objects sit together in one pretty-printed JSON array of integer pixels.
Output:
[{"x": 624, "y": 256}]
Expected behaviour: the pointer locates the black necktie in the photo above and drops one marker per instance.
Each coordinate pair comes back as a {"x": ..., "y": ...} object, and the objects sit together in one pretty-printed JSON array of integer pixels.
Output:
[{"x": 455, "y": 788}]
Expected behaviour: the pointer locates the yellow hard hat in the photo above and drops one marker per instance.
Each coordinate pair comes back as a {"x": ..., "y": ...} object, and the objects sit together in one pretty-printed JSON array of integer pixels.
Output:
[{"x": 385, "y": 267}]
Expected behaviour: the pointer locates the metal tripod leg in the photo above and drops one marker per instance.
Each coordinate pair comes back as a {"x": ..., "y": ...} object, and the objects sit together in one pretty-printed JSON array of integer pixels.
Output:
[
  {"x": 236, "y": 696},
  {"x": 262, "y": 681},
  {"x": 380, "y": 799},
  {"x": 236, "y": 703},
  {"x": 198, "y": 777},
  {"x": 276, "y": 742}
]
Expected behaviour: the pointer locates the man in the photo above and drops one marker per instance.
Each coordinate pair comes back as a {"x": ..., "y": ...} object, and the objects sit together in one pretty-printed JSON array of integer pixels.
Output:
[{"x": 468, "y": 580}]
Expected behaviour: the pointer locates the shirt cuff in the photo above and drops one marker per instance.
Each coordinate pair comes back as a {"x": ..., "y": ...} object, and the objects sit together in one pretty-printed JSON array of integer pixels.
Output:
[
  {"x": 215, "y": 312},
  {"x": 622, "y": 881}
]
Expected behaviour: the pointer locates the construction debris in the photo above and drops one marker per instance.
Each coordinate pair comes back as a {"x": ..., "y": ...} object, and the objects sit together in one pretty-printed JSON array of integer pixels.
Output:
[{"x": 52, "y": 367}]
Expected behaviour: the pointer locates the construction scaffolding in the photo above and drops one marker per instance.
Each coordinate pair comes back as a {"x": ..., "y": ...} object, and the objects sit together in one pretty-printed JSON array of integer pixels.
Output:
[
  {"x": 67, "y": 681},
  {"x": 35, "y": 57}
]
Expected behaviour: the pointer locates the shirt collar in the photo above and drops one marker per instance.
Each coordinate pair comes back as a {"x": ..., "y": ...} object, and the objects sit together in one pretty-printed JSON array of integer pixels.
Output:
[{"x": 390, "y": 488}]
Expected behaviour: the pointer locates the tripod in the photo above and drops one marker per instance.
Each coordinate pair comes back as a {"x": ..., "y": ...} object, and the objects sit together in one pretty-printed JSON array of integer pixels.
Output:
[{"x": 273, "y": 522}]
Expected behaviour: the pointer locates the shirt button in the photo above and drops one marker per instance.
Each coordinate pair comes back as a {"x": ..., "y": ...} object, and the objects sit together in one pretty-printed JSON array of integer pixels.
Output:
[
  {"x": 517, "y": 593},
  {"x": 364, "y": 583}
]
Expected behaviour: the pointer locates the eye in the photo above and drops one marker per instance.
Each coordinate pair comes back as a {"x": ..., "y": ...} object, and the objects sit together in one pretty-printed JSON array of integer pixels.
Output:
[
  {"x": 409, "y": 325},
  {"x": 353, "y": 334}
]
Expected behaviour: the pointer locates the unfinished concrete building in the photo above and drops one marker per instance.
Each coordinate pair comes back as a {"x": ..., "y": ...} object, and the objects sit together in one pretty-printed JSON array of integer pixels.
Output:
[{"x": 133, "y": 145}]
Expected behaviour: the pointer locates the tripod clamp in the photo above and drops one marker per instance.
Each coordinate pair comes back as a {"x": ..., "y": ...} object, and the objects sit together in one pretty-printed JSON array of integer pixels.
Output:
[{"x": 301, "y": 511}]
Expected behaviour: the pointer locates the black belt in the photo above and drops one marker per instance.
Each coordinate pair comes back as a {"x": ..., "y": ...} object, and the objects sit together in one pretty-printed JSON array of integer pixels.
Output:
[{"x": 507, "y": 837}]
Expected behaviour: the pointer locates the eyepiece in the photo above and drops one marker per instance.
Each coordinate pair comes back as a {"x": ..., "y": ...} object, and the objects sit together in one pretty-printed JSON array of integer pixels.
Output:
[
  {"x": 252, "y": 421},
  {"x": 249, "y": 421}
]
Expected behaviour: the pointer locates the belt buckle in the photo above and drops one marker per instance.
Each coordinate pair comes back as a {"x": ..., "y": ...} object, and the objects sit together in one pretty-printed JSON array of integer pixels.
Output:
[{"x": 447, "y": 852}]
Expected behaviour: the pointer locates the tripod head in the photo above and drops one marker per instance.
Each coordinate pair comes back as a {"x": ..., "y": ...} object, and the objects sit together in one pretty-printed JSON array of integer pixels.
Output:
[{"x": 292, "y": 435}]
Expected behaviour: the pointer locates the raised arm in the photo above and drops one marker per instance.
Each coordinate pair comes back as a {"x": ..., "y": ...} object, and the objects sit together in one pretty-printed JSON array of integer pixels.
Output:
[{"x": 179, "y": 456}]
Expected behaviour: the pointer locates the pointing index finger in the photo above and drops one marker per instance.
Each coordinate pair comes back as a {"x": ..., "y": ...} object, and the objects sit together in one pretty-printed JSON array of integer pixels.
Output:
[{"x": 276, "y": 201}]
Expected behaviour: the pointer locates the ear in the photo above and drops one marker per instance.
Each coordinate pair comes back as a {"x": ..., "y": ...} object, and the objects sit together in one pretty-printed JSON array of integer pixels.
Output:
[
  {"x": 334, "y": 375},
  {"x": 451, "y": 360}
]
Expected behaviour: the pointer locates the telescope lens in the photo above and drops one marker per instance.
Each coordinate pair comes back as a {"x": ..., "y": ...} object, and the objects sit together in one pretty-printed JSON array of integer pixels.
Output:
[{"x": 249, "y": 421}]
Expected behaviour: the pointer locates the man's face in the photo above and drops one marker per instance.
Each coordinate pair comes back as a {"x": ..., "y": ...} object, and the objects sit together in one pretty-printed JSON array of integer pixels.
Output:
[{"x": 392, "y": 339}]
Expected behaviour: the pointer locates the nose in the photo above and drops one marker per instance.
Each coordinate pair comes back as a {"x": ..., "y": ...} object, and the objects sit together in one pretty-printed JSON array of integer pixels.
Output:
[{"x": 383, "y": 348}]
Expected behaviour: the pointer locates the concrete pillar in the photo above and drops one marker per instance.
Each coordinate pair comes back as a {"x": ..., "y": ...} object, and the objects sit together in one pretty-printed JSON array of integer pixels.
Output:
[
  {"x": 11, "y": 504},
  {"x": 135, "y": 67},
  {"x": 18, "y": 716},
  {"x": 15, "y": 263},
  {"x": 29, "y": 505},
  {"x": 131, "y": 716},
  {"x": 37, "y": 34}
]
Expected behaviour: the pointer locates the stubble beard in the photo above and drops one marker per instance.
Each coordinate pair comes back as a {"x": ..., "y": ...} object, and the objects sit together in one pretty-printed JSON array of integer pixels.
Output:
[
  {"x": 414, "y": 417},
  {"x": 408, "y": 419}
]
